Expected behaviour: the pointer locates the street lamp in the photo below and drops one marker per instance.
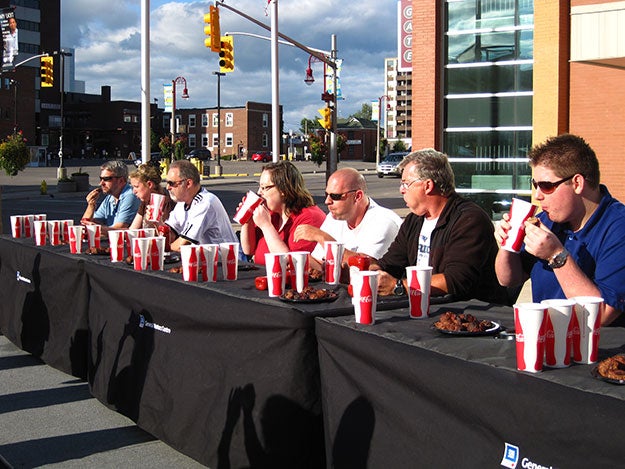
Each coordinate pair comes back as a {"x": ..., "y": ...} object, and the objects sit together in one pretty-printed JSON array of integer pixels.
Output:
[
  {"x": 61, "y": 172},
  {"x": 218, "y": 165},
  {"x": 377, "y": 149},
  {"x": 310, "y": 79},
  {"x": 172, "y": 122},
  {"x": 15, "y": 84}
]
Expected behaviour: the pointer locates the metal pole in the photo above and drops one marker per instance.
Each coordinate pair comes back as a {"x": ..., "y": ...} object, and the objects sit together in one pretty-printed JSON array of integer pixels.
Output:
[
  {"x": 61, "y": 171},
  {"x": 332, "y": 162},
  {"x": 218, "y": 169},
  {"x": 377, "y": 148},
  {"x": 275, "y": 84},
  {"x": 172, "y": 121},
  {"x": 14, "y": 83},
  {"x": 145, "y": 81}
]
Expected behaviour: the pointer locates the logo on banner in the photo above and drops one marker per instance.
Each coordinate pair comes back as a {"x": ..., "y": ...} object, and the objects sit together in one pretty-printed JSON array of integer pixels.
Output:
[
  {"x": 21, "y": 278},
  {"x": 510, "y": 456}
]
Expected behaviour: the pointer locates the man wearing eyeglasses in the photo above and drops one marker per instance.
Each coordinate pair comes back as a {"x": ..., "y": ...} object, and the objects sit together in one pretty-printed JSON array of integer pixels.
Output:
[
  {"x": 199, "y": 217},
  {"x": 578, "y": 248},
  {"x": 443, "y": 230},
  {"x": 119, "y": 206},
  {"x": 354, "y": 219}
]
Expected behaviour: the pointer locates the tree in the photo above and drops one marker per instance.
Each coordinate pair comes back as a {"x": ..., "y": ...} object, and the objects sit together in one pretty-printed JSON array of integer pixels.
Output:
[
  {"x": 364, "y": 113},
  {"x": 14, "y": 154},
  {"x": 399, "y": 145},
  {"x": 306, "y": 126}
]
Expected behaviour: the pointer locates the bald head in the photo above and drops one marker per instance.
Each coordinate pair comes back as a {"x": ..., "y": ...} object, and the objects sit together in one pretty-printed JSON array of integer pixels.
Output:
[{"x": 348, "y": 177}]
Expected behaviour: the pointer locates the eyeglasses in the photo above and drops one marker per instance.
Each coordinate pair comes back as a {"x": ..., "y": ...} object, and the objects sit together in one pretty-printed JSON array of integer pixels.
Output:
[
  {"x": 266, "y": 188},
  {"x": 339, "y": 196},
  {"x": 108, "y": 178},
  {"x": 547, "y": 187},
  {"x": 174, "y": 183},
  {"x": 405, "y": 185}
]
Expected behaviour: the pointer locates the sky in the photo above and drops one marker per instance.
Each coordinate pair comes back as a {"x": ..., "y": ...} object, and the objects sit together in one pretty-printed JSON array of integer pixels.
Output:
[{"x": 106, "y": 36}]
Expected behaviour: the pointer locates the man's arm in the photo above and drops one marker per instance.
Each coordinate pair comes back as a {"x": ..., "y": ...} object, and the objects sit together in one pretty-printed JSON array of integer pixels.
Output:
[{"x": 92, "y": 200}]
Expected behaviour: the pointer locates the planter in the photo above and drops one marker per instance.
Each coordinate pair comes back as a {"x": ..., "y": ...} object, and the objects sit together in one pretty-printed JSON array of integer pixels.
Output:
[
  {"x": 82, "y": 182},
  {"x": 66, "y": 186}
]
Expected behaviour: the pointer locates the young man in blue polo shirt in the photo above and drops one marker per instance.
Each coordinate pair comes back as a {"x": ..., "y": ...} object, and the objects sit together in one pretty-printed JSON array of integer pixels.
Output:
[{"x": 578, "y": 248}]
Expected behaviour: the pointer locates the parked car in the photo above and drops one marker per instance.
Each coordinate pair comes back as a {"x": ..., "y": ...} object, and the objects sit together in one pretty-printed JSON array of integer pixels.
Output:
[
  {"x": 203, "y": 154},
  {"x": 155, "y": 160},
  {"x": 388, "y": 166},
  {"x": 263, "y": 156}
]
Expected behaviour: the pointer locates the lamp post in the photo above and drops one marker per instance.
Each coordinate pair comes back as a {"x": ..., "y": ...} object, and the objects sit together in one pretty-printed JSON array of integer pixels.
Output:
[
  {"x": 172, "y": 122},
  {"x": 61, "y": 172},
  {"x": 15, "y": 83},
  {"x": 377, "y": 148},
  {"x": 218, "y": 165}
]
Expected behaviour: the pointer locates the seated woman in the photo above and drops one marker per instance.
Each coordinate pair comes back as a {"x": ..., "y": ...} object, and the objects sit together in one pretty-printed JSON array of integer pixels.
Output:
[
  {"x": 287, "y": 204},
  {"x": 145, "y": 181}
]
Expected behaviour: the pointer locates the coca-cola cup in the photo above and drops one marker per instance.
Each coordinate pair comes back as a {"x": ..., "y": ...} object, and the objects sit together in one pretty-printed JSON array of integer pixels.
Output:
[
  {"x": 116, "y": 244},
  {"x": 139, "y": 251},
  {"x": 520, "y": 210},
  {"x": 245, "y": 212},
  {"x": 40, "y": 232},
  {"x": 333, "y": 259},
  {"x": 586, "y": 327},
  {"x": 364, "y": 285},
  {"x": 28, "y": 226},
  {"x": 276, "y": 273},
  {"x": 229, "y": 253},
  {"x": 189, "y": 257},
  {"x": 17, "y": 226},
  {"x": 529, "y": 323},
  {"x": 156, "y": 252},
  {"x": 75, "y": 239},
  {"x": 54, "y": 232},
  {"x": 138, "y": 233},
  {"x": 358, "y": 262},
  {"x": 299, "y": 259},
  {"x": 65, "y": 224},
  {"x": 40, "y": 216},
  {"x": 94, "y": 233},
  {"x": 209, "y": 261},
  {"x": 558, "y": 332},
  {"x": 164, "y": 230},
  {"x": 157, "y": 203},
  {"x": 419, "y": 281}
]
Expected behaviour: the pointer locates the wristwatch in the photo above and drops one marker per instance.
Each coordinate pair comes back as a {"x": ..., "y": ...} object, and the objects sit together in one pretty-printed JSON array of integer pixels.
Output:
[
  {"x": 399, "y": 288},
  {"x": 559, "y": 259}
]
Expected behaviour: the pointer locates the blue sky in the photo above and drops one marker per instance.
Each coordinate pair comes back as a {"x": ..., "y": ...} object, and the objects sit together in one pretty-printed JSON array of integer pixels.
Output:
[{"x": 106, "y": 36}]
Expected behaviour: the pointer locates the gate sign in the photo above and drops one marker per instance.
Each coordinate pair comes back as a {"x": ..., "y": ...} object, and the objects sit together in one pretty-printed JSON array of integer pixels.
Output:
[{"x": 404, "y": 35}]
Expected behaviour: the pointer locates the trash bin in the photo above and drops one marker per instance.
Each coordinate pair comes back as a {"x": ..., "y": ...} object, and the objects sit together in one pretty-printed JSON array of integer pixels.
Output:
[{"x": 206, "y": 169}]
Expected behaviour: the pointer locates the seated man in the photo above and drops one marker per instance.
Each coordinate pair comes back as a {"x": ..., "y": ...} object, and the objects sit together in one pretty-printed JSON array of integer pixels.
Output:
[
  {"x": 199, "y": 216},
  {"x": 445, "y": 231},
  {"x": 355, "y": 220},
  {"x": 578, "y": 248},
  {"x": 119, "y": 207}
]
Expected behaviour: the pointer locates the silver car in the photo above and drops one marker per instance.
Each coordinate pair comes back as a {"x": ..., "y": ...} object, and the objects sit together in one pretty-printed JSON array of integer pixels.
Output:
[{"x": 388, "y": 166}]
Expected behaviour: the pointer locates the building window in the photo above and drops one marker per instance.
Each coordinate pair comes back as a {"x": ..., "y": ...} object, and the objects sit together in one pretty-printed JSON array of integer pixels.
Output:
[
  {"x": 229, "y": 119},
  {"x": 204, "y": 120},
  {"x": 215, "y": 140},
  {"x": 127, "y": 118},
  {"x": 205, "y": 142},
  {"x": 166, "y": 121},
  {"x": 265, "y": 120},
  {"x": 488, "y": 97},
  {"x": 191, "y": 140},
  {"x": 265, "y": 140},
  {"x": 229, "y": 139},
  {"x": 215, "y": 119},
  {"x": 191, "y": 120}
]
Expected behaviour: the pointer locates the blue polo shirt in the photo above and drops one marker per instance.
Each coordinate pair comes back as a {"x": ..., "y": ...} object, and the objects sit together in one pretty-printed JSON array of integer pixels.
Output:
[
  {"x": 598, "y": 249},
  {"x": 123, "y": 210}
]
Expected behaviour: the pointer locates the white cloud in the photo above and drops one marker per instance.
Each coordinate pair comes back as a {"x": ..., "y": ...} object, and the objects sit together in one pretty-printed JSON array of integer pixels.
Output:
[{"x": 107, "y": 40}]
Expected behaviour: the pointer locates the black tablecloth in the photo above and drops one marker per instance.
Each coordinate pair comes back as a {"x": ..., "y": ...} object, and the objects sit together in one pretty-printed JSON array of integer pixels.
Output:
[
  {"x": 400, "y": 394},
  {"x": 43, "y": 303}
]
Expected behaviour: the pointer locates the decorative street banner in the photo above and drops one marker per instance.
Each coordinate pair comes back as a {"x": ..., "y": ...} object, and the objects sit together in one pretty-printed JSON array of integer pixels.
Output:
[
  {"x": 168, "y": 90},
  {"x": 329, "y": 78},
  {"x": 404, "y": 36},
  {"x": 10, "y": 47}
]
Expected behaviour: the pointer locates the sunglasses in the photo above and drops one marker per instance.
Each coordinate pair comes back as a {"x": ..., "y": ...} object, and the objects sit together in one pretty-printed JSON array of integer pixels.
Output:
[
  {"x": 108, "y": 178},
  {"x": 547, "y": 187},
  {"x": 174, "y": 183},
  {"x": 339, "y": 196}
]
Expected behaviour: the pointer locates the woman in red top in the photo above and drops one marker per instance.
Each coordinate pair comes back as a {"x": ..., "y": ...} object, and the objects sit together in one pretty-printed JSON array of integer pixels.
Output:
[{"x": 287, "y": 204}]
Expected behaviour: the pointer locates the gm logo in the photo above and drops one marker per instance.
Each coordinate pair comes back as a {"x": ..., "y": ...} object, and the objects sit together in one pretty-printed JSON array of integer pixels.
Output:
[{"x": 510, "y": 456}]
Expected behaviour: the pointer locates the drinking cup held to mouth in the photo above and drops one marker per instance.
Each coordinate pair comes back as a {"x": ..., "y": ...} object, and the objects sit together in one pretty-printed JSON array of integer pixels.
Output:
[
  {"x": 209, "y": 260},
  {"x": 54, "y": 232},
  {"x": 419, "y": 280},
  {"x": 75, "y": 239},
  {"x": 300, "y": 266},
  {"x": 520, "y": 210},
  {"x": 157, "y": 203},
  {"x": 116, "y": 243},
  {"x": 40, "y": 232},
  {"x": 333, "y": 261},
  {"x": 365, "y": 295},
  {"x": 558, "y": 332},
  {"x": 156, "y": 252},
  {"x": 229, "y": 253},
  {"x": 245, "y": 212},
  {"x": 17, "y": 222},
  {"x": 276, "y": 272},
  {"x": 586, "y": 327},
  {"x": 94, "y": 232},
  {"x": 529, "y": 323},
  {"x": 189, "y": 258}
]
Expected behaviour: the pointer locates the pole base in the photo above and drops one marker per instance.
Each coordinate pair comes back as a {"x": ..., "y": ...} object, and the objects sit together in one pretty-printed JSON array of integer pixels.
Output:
[
  {"x": 218, "y": 170},
  {"x": 61, "y": 173}
]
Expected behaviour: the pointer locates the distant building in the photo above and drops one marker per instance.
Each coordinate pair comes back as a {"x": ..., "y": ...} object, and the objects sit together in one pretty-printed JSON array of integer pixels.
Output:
[
  {"x": 361, "y": 138},
  {"x": 397, "y": 112}
]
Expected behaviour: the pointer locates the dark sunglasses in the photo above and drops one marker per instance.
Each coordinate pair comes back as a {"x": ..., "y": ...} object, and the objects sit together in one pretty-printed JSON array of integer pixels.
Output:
[
  {"x": 108, "y": 178},
  {"x": 339, "y": 196},
  {"x": 547, "y": 187}
]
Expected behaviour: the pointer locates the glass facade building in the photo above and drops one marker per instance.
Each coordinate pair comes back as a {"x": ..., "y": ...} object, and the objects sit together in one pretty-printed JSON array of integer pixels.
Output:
[{"x": 487, "y": 123}]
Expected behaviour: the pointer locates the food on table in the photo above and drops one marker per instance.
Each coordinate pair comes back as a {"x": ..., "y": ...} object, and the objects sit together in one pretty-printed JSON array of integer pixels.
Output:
[
  {"x": 176, "y": 270},
  {"x": 613, "y": 367},
  {"x": 261, "y": 283},
  {"x": 314, "y": 274},
  {"x": 98, "y": 251},
  {"x": 461, "y": 322},
  {"x": 309, "y": 293}
]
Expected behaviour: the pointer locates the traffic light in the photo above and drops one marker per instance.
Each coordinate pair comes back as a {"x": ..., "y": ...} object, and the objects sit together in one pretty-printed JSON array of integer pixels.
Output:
[
  {"x": 47, "y": 72},
  {"x": 226, "y": 54},
  {"x": 211, "y": 29},
  {"x": 326, "y": 117}
]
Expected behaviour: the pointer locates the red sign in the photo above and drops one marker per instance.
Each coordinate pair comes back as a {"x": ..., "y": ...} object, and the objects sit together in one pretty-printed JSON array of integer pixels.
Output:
[{"x": 404, "y": 36}]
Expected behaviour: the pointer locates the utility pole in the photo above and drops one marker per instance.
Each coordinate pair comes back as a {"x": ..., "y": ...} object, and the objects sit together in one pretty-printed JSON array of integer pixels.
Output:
[
  {"x": 61, "y": 171},
  {"x": 218, "y": 168}
]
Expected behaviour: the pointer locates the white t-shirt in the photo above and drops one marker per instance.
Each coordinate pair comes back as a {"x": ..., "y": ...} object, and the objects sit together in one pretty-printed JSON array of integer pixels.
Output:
[
  {"x": 372, "y": 236},
  {"x": 423, "y": 258},
  {"x": 204, "y": 221}
]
